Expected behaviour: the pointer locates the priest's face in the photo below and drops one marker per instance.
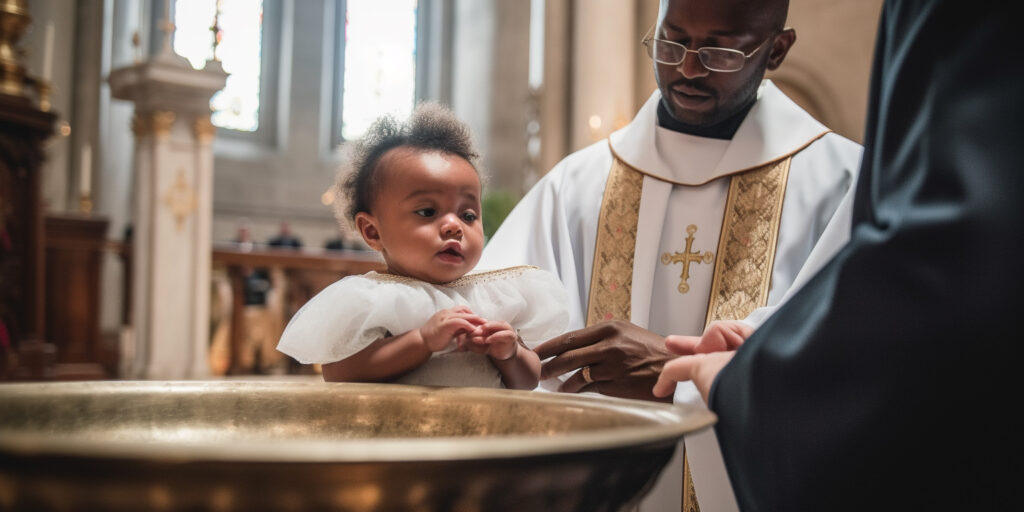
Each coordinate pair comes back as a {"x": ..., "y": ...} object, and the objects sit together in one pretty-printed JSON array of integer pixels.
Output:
[
  {"x": 699, "y": 96},
  {"x": 425, "y": 217}
]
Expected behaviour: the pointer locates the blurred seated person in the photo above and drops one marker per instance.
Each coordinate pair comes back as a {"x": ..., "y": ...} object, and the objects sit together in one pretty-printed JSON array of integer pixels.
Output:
[
  {"x": 335, "y": 244},
  {"x": 263, "y": 320},
  {"x": 343, "y": 242},
  {"x": 255, "y": 281},
  {"x": 285, "y": 238}
]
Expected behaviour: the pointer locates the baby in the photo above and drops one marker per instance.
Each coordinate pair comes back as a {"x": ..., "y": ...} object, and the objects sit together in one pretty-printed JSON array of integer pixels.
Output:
[{"x": 412, "y": 191}]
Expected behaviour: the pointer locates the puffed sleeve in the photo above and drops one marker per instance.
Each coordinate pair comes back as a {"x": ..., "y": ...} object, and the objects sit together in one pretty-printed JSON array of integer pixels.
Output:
[
  {"x": 352, "y": 313},
  {"x": 534, "y": 302}
]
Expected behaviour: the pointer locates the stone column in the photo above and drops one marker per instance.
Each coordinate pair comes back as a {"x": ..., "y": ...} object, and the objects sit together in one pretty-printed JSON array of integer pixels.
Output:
[
  {"x": 605, "y": 49},
  {"x": 173, "y": 167}
]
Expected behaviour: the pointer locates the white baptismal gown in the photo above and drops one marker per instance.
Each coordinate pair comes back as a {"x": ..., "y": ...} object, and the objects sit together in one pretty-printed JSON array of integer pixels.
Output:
[{"x": 355, "y": 311}]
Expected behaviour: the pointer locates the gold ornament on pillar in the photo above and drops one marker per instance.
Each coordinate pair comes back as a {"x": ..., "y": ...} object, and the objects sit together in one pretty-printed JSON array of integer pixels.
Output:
[
  {"x": 204, "y": 129},
  {"x": 153, "y": 124},
  {"x": 181, "y": 199}
]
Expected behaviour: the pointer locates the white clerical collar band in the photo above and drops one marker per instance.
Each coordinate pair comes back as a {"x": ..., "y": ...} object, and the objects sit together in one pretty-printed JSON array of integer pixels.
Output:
[{"x": 775, "y": 128}]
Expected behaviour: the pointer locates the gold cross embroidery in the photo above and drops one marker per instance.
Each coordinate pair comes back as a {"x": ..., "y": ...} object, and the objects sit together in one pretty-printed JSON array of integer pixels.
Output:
[{"x": 686, "y": 257}]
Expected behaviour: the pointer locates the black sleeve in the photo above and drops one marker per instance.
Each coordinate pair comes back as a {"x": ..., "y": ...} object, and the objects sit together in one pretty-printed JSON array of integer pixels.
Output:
[{"x": 887, "y": 383}]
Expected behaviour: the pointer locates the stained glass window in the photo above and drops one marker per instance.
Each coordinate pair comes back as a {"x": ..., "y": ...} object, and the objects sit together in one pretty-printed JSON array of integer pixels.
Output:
[
  {"x": 380, "y": 62},
  {"x": 239, "y": 48}
]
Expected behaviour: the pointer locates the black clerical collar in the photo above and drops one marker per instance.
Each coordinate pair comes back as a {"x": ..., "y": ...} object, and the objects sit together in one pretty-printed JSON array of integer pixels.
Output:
[{"x": 723, "y": 130}]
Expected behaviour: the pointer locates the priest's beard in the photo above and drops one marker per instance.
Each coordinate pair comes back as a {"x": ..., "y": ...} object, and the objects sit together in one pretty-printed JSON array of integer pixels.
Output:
[{"x": 721, "y": 121}]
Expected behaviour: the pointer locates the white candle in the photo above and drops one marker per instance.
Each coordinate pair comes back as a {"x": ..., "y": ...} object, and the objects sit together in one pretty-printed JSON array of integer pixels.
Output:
[
  {"x": 85, "y": 177},
  {"x": 535, "y": 75},
  {"x": 48, "y": 53}
]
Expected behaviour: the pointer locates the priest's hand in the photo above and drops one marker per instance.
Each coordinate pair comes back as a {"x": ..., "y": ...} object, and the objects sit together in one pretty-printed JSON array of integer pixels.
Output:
[{"x": 618, "y": 359}]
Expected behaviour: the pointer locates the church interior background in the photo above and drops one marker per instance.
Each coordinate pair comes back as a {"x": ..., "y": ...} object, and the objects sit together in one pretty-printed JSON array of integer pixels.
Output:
[{"x": 145, "y": 212}]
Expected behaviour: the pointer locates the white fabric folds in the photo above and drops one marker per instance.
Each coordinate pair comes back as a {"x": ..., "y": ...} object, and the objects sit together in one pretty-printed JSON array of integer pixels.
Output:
[{"x": 352, "y": 313}]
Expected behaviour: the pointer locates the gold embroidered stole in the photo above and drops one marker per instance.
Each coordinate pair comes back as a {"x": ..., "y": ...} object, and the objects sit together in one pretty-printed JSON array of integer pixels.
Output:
[
  {"x": 743, "y": 263},
  {"x": 746, "y": 245},
  {"x": 611, "y": 279}
]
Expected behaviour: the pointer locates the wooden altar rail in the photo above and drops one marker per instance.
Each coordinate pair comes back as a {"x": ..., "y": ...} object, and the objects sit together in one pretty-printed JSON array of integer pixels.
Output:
[{"x": 305, "y": 271}]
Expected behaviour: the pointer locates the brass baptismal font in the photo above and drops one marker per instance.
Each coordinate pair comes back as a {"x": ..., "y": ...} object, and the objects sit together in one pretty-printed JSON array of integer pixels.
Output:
[{"x": 308, "y": 445}]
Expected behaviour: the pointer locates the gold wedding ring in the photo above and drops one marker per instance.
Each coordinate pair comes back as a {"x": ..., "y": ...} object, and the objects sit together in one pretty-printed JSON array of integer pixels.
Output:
[{"x": 586, "y": 375}]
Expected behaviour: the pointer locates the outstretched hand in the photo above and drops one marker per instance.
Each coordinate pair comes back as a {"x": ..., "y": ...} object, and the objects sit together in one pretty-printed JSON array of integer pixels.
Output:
[
  {"x": 700, "y": 368},
  {"x": 719, "y": 336},
  {"x": 702, "y": 356},
  {"x": 624, "y": 360}
]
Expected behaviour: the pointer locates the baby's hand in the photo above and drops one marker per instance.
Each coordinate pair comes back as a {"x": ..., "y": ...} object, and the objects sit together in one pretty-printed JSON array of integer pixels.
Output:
[
  {"x": 447, "y": 325},
  {"x": 496, "y": 339}
]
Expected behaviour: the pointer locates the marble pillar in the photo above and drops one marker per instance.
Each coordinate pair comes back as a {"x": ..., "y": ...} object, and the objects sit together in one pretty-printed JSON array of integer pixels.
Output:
[{"x": 172, "y": 214}]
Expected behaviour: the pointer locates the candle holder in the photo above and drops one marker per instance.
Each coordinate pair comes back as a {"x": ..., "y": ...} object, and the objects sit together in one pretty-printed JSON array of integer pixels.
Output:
[
  {"x": 137, "y": 46},
  {"x": 43, "y": 90},
  {"x": 14, "y": 19},
  {"x": 14, "y": 77}
]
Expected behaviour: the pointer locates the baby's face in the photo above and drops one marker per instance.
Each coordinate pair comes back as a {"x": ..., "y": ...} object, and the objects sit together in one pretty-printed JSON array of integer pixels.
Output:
[{"x": 427, "y": 213}]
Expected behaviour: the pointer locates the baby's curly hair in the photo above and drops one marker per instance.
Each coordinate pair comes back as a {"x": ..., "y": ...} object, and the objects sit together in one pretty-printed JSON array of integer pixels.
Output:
[{"x": 430, "y": 127}]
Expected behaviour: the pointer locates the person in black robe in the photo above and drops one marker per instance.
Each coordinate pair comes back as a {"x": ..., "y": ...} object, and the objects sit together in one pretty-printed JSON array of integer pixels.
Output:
[{"x": 890, "y": 381}]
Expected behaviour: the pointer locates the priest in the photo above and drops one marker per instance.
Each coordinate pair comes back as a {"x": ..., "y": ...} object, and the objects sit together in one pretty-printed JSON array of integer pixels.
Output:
[
  {"x": 888, "y": 381},
  {"x": 705, "y": 207}
]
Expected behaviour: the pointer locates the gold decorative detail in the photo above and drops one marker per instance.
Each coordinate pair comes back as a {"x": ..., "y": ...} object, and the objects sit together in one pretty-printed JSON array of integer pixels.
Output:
[
  {"x": 85, "y": 204},
  {"x": 204, "y": 129},
  {"x": 157, "y": 123},
  {"x": 137, "y": 45},
  {"x": 728, "y": 174},
  {"x": 689, "y": 492},
  {"x": 14, "y": 19},
  {"x": 181, "y": 199},
  {"x": 162, "y": 123},
  {"x": 44, "y": 89},
  {"x": 611, "y": 281},
  {"x": 746, "y": 247},
  {"x": 686, "y": 257},
  {"x": 466, "y": 280}
]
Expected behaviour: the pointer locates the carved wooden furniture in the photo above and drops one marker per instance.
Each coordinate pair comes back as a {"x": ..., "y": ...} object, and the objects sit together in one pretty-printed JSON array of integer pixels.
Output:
[
  {"x": 75, "y": 247},
  {"x": 23, "y": 128}
]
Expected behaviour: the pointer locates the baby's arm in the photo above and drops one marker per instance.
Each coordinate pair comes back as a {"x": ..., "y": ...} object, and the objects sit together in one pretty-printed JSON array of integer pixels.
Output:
[
  {"x": 389, "y": 358},
  {"x": 519, "y": 366}
]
